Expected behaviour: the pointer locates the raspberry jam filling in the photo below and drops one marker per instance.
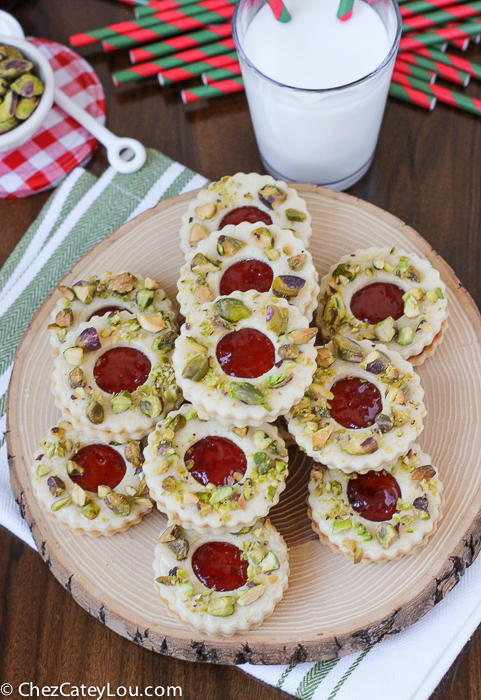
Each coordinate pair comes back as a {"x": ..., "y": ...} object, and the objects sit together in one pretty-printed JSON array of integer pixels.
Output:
[
  {"x": 215, "y": 460},
  {"x": 219, "y": 565},
  {"x": 246, "y": 353},
  {"x": 245, "y": 275},
  {"x": 374, "y": 495},
  {"x": 377, "y": 301},
  {"x": 106, "y": 310},
  {"x": 102, "y": 465},
  {"x": 356, "y": 403},
  {"x": 121, "y": 369},
  {"x": 252, "y": 215}
]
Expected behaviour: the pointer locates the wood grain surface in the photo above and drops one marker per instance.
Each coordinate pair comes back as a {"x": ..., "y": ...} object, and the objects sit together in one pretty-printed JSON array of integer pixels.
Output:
[{"x": 426, "y": 170}]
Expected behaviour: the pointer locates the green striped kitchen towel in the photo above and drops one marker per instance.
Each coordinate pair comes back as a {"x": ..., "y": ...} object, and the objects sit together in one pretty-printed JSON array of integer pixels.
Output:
[{"x": 81, "y": 212}]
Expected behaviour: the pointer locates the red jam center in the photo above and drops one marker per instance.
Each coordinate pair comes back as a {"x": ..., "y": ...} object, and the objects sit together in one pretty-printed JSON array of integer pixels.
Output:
[
  {"x": 219, "y": 565},
  {"x": 121, "y": 369},
  {"x": 252, "y": 215},
  {"x": 103, "y": 466},
  {"x": 356, "y": 403},
  {"x": 245, "y": 275},
  {"x": 377, "y": 301},
  {"x": 106, "y": 310},
  {"x": 374, "y": 495},
  {"x": 215, "y": 460},
  {"x": 246, "y": 354}
]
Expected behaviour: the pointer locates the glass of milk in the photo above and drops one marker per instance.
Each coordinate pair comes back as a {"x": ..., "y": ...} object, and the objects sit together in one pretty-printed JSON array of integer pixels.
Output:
[{"x": 317, "y": 86}]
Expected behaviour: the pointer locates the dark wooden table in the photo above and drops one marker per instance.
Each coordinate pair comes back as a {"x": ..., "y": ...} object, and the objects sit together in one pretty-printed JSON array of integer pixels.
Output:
[{"x": 427, "y": 171}]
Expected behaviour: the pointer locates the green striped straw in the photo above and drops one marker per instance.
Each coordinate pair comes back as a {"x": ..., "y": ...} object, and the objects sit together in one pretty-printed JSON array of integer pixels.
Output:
[
  {"x": 146, "y": 70},
  {"x": 420, "y": 22},
  {"x": 163, "y": 30},
  {"x": 453, "y": 75},
  {"x": 415, "y": 97},
  {"x": 416, "y": 7},
  {"x": 449, "y": 60},
  {"x": 181, "y": 43},
  {"x": 449, "y": 97},
  {"x": 206, "y": 92},
  {"x": 216, "y": 74},
  {"x": 421, "y": 73},
  {"x": 192, "y": 70},
  {"x": 147, "y": 10}
]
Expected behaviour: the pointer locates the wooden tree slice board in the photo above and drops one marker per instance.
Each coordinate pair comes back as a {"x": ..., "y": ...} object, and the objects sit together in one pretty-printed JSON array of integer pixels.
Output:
[{"x": 331, "y": 607}]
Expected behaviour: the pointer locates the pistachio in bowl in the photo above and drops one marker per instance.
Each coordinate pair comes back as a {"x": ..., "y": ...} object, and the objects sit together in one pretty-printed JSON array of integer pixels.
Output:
[{"x": 20, "y": 88}]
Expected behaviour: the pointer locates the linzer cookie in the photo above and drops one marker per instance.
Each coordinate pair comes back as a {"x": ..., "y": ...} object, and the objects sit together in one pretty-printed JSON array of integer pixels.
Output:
[
  {"x": 88, "y": 486},
  {"x": 221, "y": 583},
  {"x": 363, "y": 409},
  {"x": 245, "y": 359},
  {"x": 387, "y": 296},
  {"x": 379, "y": 515},
  {"x": 114, "y": 378},
  {"x": 210, "y": 477},
  {"x": 249, "y": 256},
  {"x": 106, "y": 294},
  {"x": 257, "y": 199}
]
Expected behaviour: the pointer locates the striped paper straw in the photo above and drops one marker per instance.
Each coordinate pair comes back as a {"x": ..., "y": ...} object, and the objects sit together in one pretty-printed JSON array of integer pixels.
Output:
[
  {"x": 450, "y": 60},
  {"x": 344, "y": 11},
  {"x": 279, "y": 10},
  {"x": 206, "y": 92},
  {"x": 192, "y": 70},
  {"x": 148, "y": 11},
  {"x": 125, "y": 28},
  {"x": 415, "y": 97},
  {"x": 163, "y": 30},
  {"x": 417, "y": 7},
  {"x": 453, "y": 75},
  {"x": 181, "y": 43},
  {"x": 216, "y": 74},
  {"x": 449, "y": 97},
  {"x": 146, "y": 70},
  {"x": 158, "y": 5},
  {"x": 421, "y": 22},
  {"x": 410, "y": 43},
  {"x": 409, "y": 69}
]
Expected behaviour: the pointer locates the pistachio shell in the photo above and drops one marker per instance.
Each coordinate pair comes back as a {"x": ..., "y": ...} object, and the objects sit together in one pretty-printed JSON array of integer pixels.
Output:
[
  {"x": 222, "y": 606},
  {"x": 197, "y": 233},
  {"x": 288, "y": 286},
  {"x": 334, "y": 311},
  {"x": 251, "y": 595},
  {"x": 272, "y": 196},
  {"x": 277, "y": 319},
  {"x": 26, "y": 107},
  {"x": 200, "y": 263},
  {"x": 228, "y": 246},
  {"x": 232, "y": 310},
  {"x": 263, "y": 237},
  {"x": 196, "y": 368},
  {"x": 247, "y": 393},
  {"x": 347, "y": 349}
]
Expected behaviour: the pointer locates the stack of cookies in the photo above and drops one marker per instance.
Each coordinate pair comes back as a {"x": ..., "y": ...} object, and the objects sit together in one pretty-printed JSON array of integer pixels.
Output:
[{"x": 195, "y": 420}]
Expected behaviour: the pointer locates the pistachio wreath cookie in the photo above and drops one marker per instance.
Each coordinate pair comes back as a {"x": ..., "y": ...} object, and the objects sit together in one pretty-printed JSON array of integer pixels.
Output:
[
  {"x": 363, "y": 409},
  {"x": 249, "y": 256},
  {"x": 387, "y": 296},
  {"x": 106, "y": 294},
  {"x": 115, "y": 378},
  {"x": 221, "y": 583},
  {"x": 244, "y": 359},
  {"x": 377, "y": 516},
  {"x": 88, "y": 486},
  {"x": 253, "y": 198},
  {"x": 210, "y": 477}
]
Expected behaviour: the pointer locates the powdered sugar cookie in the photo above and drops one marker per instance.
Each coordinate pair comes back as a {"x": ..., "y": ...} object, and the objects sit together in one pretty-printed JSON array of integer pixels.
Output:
[
  {"x": 221, "y": 583},
  {"x": 363, "y": 409},
  {"x": 105, "y": 294},
  {"x": 211, "y": 477},
  {"x": 249, "y": 256},
  {"x": 89, "y": 487},
  {"x": 244, "y": 359},
  {"x": 253, "y": 198},
  {"x": 388, "y": 296},
  {"x": 377, "y": 516},
  {"x": 115, "y": 378}
]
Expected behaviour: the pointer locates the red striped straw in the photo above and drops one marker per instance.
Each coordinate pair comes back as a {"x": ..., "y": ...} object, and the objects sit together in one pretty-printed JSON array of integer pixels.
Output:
[
  {"x": 162, "y": 5},
  {"x": 279, "y": 10},
  {"x": 181, "y": 43},
  {"x": 206, "y": 92},
  {"x": 163, "y": 30},
  {"x": 450, "y": 60},
  {"x": 130, "y": 27},
  {"x": 416, "y": 7},
  {"x": 415, "y": 71},
  {"x": 216, "y": 74},
  {"x": 408, "y": 94},
  {"x": 409, "y": 43},
  {"x": 447, "y": 72},
  {"x": 192, "y": 70},
  {"x": 449, "y": 97},
  {"x": 456, "y": 13},
  {"x": 344, "y": 11}
]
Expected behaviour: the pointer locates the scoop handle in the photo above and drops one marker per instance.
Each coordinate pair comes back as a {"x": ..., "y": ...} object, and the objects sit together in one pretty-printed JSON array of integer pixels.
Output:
[{"x": 115, "y": 145}]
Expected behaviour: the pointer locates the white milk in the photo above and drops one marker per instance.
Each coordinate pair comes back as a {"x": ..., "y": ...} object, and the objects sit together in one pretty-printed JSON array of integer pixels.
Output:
[{"x": 307, "y": 135}]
